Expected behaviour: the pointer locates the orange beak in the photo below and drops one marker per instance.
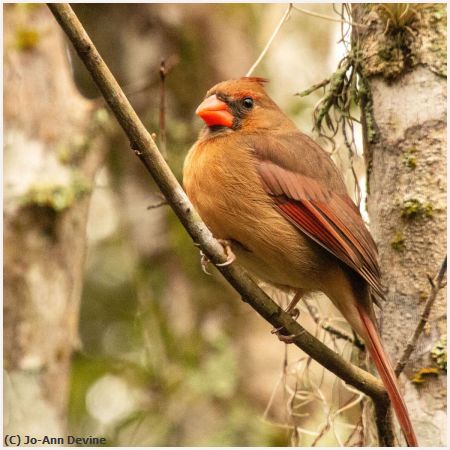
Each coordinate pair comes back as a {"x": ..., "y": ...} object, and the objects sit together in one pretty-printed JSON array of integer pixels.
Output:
[{"x": 215, "y": 112}]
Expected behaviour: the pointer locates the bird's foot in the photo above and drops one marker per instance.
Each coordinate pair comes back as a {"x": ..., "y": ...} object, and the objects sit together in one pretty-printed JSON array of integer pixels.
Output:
[
  {"x": 231, "y": 257},
  {"x": 294, "y": 313},
  {"x": 288, "y": 339}
]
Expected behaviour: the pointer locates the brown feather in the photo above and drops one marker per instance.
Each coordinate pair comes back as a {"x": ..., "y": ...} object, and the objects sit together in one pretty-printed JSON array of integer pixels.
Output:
[{"x": 338, "y": 226}]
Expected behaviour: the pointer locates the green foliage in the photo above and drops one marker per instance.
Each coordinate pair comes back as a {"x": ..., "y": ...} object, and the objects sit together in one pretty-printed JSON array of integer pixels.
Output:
[{"x": 397, "y": 16}]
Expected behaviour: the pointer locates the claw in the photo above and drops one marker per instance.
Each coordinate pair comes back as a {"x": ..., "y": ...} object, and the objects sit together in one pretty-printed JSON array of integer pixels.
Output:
[
  {"x": 231, "y": 257},
  {"x": 204, "y": 261},
  {"x": 276, "y": 330},
  {"x": 294, "y": 313},
  {"x": 287, "y": 339}
]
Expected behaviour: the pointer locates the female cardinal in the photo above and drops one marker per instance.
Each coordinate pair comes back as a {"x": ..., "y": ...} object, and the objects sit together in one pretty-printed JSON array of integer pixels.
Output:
[{"x": 278, "y": 200}]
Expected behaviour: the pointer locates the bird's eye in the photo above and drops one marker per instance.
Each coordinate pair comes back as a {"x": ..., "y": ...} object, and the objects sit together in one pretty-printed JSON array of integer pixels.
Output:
[{"x": 248, "y": 102}]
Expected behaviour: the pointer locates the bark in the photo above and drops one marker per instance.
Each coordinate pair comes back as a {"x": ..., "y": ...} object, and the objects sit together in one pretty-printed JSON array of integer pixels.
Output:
[
  {"x": 404, "y": 121},
  {"x": 52, "y": 152}
]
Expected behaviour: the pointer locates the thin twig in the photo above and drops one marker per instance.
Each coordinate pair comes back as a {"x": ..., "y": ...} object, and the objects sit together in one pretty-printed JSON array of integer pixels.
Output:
[
  {"x": 162, "y": 107},
  {"x": 143, "y": 85},
  {"x": 330, "y": 329},
  {"x": 149, "y": 154},
  {"x": 269, "y": 42},
  {"x": 313, "y": 88},
  {"x": 436, "y": 285},
  {"x": 325, "y": 17},
  {"x": 157, "y": 204},
  {"x": 342, "y": 335},
  {"x": 357, "y": 427}
]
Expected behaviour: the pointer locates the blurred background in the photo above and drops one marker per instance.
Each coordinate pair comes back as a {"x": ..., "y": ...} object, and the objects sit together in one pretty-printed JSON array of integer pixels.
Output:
[{"x": 165, "y": 354}]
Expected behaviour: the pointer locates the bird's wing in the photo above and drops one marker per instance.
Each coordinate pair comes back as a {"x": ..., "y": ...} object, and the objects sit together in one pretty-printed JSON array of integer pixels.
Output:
[{"x": 308, "y": 191}]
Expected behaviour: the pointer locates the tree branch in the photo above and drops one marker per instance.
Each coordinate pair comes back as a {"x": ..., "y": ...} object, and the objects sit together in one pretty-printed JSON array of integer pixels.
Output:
[
  {"x": 436, "y": 285},
  {"x": 147, "y": 151}
]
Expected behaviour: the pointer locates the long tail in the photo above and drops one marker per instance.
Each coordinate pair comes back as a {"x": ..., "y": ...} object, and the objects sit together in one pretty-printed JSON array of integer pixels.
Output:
[{"x": 387, "y": 375}]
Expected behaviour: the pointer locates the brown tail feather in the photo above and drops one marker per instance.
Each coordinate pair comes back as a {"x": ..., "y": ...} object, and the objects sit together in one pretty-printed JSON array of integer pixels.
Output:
[{"x": 387, "y": 375}]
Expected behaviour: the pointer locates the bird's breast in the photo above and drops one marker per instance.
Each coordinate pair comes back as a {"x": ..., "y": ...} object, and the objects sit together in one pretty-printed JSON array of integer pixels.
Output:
[{"x": 222, "y": 182}]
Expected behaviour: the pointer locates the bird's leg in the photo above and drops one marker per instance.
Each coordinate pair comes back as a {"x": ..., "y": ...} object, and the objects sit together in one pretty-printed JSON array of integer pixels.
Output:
[
  {"x": 291, "y": 309},
  {"x": 294, "y": 313}
]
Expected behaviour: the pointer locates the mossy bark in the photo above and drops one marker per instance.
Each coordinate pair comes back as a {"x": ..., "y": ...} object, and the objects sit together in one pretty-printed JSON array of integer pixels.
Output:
[
  {"x": 404, "y": 68},
  {"x": 52, "y": 152}
]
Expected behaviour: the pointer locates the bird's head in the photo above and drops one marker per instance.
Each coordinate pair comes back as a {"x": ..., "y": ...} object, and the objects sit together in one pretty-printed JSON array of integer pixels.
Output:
[{"x": 240, "y": 104}]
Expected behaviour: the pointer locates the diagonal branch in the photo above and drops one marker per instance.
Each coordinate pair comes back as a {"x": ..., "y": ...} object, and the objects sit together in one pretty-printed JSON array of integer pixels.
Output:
[
  {"x": 436, "y": 285},
  {"x": 147, "y": 151}
]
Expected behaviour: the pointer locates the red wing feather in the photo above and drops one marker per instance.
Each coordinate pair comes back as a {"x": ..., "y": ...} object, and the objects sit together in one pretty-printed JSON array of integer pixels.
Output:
[{"x": 329, "y": 218}]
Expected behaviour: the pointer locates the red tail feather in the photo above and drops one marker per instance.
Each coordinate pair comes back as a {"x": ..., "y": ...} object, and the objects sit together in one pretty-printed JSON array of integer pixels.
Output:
[{"x": 388, "y": 377}]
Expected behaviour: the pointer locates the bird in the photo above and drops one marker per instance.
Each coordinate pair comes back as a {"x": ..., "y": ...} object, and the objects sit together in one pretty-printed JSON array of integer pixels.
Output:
[{"x": 278, "y": 204}]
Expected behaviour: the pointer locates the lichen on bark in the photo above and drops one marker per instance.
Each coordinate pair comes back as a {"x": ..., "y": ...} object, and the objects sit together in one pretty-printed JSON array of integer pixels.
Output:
[{"x": 389, "y": 49}]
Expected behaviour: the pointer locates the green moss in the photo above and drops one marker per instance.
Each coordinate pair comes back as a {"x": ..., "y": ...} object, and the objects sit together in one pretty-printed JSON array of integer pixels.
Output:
[
  {"x": 334, "y": 91},
  {"x": 75, "y": 151},
  {"x": 423, "y": 374},
  {"x": 409, "y": 158},
  {"x": 415, "y": 209},
  {"x": 56, "y": 196},
  {"x": 410, "y": 162},
  {"x": 439, "y": 15},
  {"x": 80, "y": 144},
  {"x": 387, "y": 53},
  {"x": 398, "y": 241},
  {"x": 26, "y": 39},
  {"x": 439, "y": 352},
  {"x": 367, "y": 109}
]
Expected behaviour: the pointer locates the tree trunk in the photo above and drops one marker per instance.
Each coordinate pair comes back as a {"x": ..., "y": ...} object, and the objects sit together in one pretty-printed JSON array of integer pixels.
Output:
[
  {"x": 52, "y": 152},
  {"x": 403, "y": 56}
]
